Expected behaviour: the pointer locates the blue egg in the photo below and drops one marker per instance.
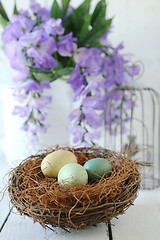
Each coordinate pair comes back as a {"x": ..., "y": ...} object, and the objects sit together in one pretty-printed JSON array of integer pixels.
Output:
[{"x": 97, "y": 167}]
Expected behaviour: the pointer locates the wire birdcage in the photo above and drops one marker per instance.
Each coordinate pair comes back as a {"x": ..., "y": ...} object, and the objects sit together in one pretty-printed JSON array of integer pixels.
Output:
[{"x": 133, "y": 127}]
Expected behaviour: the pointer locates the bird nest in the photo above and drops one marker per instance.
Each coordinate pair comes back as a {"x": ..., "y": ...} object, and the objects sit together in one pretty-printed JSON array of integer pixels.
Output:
[{"x": 50, "y": 204}]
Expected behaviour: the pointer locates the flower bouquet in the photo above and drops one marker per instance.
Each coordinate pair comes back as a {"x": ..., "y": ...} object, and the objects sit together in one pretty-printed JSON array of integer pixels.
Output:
[{"x": 44, "y": 44}]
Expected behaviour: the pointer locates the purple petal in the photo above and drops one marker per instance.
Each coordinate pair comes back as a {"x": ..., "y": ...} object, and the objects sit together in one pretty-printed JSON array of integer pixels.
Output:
[
  {"x": 90, "y": 136},
  {"x": 133, "y": 70},
  {"x": 75, "y": 116},
  {"x": 54, "y": 26},
  {"x": 66, "y": 45},
  {"x": 21, "y": 111},
  {"x": 19, "y": 77},
  {"x": 92, "y": 118},
  {"x": 97, "y": 102},
  {"x": 77, "y": 132}
]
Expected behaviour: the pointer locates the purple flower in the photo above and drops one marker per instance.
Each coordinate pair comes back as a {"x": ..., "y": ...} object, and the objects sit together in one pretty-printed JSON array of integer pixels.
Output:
[
  {"x": 39, "y": 103},
  {"x": 96, "y": 84},
  {"x": 91, "y": 136},
  {"x": 21, "y": 111},
  {"x": 77, "y": 81},
  {"x": 25, "y": 127},
  {"x": 97, "y": 101},
  {"x": 31, "y": 85},
  {"x": 77, "y": 132},
  {"x": 19, "y": 77},
  {"x": 39, "y": 49},
  {"x": 17, "y": 27},
  {"x": 17, "y": 59},
  {"x": 119, "y": 47},
  {"x": 34, "y": 39},
  {"x": 41, "y": 59},
  {"x": 34, "y": 138},
  {"x": 30, "y": 38},
  {"x": 41, "y": 12},
  {"x": 115, "y": 95},
  {"x": 128, "y": 104},
  {"x": 112, "y": 114},
  {"x": 92, "y": 118},
  {"x": 40, "y": 40},
  {"x": 75, "y": 116},
  {"x": 90, "y": 59},
  {"x": 104, "y": 38},
  {"x": 92, "y": 80},
  {"x": 32, "y": 127},
  {"x": 41, "y": 116},
  {"x": 13, "y": 31},
  {"x": 53, "y": 27},
  {"x": 66, "y": 45},
  {"x": 24, "y": 13},
  {"x": 133, "y": 70}
]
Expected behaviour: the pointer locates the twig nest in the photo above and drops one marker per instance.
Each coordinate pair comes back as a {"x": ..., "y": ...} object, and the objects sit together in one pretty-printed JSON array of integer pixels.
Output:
[{"x": 77, "y": 206}]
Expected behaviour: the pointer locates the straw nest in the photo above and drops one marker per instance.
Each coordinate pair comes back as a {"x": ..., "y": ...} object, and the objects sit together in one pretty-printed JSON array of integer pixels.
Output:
[{"x": 50, "y": 204}]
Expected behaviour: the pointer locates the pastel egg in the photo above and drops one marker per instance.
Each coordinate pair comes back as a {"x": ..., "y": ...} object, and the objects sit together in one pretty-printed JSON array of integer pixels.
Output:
[
  {"x": 54, "y": 161},
  {"x": 97, "y": 167},
  {"x": 72, "y": 174}
]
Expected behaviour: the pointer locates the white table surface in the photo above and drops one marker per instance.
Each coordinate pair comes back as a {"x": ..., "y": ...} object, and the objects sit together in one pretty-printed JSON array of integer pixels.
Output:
[{"x": 140, "y": 222}]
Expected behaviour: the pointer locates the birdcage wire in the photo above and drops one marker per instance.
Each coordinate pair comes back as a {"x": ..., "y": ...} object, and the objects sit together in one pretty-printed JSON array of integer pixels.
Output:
[{"x": 141, "y": 140}]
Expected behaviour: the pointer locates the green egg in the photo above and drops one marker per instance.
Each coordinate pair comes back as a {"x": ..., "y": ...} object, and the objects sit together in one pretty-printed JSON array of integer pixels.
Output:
[
  {"x": 97, "y": 167},
  {"x": 72, "y": 174}
]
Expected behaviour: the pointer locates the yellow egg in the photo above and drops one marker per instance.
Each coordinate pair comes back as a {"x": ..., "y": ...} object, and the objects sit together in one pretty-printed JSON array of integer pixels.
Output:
[{"x": 54, "y": 161}]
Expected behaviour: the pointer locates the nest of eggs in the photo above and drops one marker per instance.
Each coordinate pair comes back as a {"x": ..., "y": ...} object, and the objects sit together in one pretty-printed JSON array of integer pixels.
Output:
[{"x": 47, "y": 202}]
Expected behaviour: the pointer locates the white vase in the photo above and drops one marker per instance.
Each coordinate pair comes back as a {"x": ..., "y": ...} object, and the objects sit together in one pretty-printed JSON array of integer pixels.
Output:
[{"x": 17, "y": 143}]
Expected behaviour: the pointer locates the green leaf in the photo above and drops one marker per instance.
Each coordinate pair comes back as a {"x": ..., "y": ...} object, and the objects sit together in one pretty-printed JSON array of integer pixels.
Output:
[
  {"x": 3, "y": 21},
  {"x": 39, "y": 70},
  {"x": 102, "y": 24},
  {"x": 100, "y": 9},
  {"x": 62, "y": 72},
  {"x": 99, "y": 19},
  {"x": 85, "y": 29},
  {"x": 68, "y": 25},
  {"x": 42, "y": 77},
  {"x": 84, "y": 8},
  {"x": 50, "y": 74},
  {"x": 65, "y": 4},
  {"x": 15, "y": 11},
  {"x": 3, "y": 12},
  {"x": 96, "y": 33},
  {"x": 55, "y": 10},
  {"x": 78, "y": 20}
]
